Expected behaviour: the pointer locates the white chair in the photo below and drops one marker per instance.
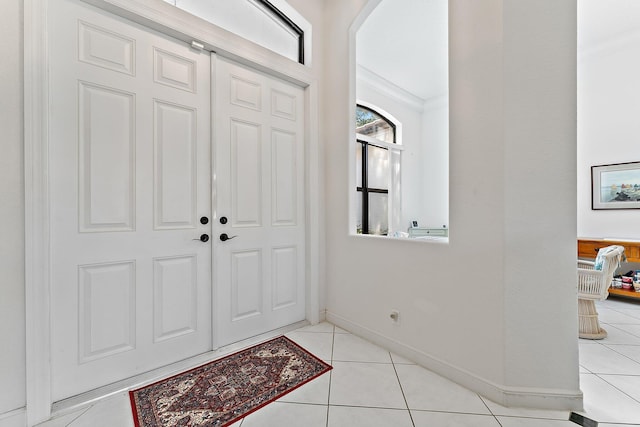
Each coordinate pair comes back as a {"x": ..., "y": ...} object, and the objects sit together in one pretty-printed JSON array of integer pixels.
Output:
[{"x": 594, "y": 279}]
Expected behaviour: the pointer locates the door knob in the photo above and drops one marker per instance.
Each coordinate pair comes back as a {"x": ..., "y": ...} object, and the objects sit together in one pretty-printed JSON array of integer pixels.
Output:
[
  {"x": 204, "y": 220},
  {"x": 223, "y": 220},
  {"x": 224, "y": 237},
  {"x": 203, "y": 238}
]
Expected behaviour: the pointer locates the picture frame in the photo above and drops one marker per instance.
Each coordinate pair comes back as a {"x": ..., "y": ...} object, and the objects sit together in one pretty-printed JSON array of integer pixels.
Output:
[{"x": 615, "y": 186}]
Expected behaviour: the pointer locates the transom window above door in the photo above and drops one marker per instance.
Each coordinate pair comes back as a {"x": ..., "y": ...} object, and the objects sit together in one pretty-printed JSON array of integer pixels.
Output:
[{"x": 269, "y": 23}]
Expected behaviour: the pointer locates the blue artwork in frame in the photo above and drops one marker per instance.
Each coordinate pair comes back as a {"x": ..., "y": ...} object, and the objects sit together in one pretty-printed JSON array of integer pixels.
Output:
[{"x": 615, "y": 186}]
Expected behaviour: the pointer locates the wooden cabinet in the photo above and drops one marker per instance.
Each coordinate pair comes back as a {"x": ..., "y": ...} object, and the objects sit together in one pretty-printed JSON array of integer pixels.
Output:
[{"x": 588, "y": 248}]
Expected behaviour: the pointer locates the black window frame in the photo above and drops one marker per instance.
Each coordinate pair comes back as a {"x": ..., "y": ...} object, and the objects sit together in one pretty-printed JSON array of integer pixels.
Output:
[
  {"x": 365, "y": 189},
  {"x": 289, "y": 24}
]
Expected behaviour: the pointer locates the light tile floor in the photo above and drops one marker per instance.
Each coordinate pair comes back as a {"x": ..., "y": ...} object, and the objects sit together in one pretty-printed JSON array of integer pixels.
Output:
[{"x": 374, "y": 388}]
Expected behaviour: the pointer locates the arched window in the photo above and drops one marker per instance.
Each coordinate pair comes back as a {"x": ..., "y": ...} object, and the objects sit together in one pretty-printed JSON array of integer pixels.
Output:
[{"x": 375, "y": 137}]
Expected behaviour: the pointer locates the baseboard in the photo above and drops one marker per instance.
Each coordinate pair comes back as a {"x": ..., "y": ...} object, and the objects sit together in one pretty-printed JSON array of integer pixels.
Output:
[
  {"x": 523, "y": 397},
  {"x": 16, "y": 418}
]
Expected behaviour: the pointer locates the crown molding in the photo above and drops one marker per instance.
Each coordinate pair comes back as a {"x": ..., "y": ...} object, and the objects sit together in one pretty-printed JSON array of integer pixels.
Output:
[{"x": 389, "y": 88}]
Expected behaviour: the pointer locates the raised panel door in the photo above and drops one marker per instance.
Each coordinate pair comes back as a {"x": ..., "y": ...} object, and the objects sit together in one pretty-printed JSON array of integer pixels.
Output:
[
  {"x": 130, "y": 177},
  {"x": 259, "y": 169}
]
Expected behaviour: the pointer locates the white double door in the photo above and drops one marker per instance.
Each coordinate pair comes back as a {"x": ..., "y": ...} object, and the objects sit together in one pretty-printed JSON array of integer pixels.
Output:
[{"x": 144, "y": 163}]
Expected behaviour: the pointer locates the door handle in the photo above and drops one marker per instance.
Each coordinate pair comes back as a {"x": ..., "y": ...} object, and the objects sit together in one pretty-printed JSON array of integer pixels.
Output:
[
  {"x": 204, "y": 238},
  {"x": 224, "y": 237}
]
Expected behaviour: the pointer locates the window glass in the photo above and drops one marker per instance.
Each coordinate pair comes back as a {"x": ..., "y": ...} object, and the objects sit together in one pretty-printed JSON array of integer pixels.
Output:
[
  {"x": 371, "y": 124},
  {"x": 255, "y": 20},
  {"x": 378, "y": 167},
  {"x": 378, "y": 213},
  {"x": 358, "y": 212},
  {"x": 359, "y": 165},
  {"x": 373, "y": 171}
]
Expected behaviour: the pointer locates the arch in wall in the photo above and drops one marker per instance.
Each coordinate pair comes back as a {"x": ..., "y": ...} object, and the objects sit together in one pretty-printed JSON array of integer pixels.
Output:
[{"x": 405, "y": 70}]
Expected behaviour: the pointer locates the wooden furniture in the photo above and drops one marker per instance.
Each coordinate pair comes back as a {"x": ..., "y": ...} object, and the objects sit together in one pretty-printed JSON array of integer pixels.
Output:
[{"x": 589, "y": 247}]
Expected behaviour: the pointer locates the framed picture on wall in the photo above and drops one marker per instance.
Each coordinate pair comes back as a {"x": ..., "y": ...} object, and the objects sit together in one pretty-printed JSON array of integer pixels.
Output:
[{"x": 615, "y": 186}]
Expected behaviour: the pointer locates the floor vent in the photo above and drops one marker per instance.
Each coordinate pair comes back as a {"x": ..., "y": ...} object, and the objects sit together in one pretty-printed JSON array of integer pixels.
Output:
[{"x": 582, "y": 420}]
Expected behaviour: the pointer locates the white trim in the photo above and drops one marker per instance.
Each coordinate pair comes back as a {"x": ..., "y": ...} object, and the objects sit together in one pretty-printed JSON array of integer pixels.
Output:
[
  {"x": 523, "y": 397},
  {"x": 379, "y": 143},
  {"x": 313, "y": 204},
  {"x": 437, "y": 102},
  {"x": 162, "y": 17},
  {"x": 389, "y": 88},
  {"x": 36, "y": 168},
  {"x": 15, "y": 418}
]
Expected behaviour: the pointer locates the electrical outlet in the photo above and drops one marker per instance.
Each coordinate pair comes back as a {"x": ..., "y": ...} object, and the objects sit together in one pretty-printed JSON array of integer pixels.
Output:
[{"x": 395, "y": 316}]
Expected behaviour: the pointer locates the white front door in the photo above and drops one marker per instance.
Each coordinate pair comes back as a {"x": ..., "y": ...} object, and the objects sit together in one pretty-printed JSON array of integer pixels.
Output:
[
  {"x": 130, "y": 173},
  {"x": 259, "y": 170}
]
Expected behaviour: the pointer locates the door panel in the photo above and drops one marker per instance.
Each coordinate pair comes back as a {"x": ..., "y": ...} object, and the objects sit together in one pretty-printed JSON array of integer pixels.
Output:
[
  {"x": 284, "y": 268},
  {"x": 107, "y": 153},
  {"x": 107, "y": 309},
  {"x": 130, "y": 173},
  {"x": 283, "y": 178},
  {"x": 175, "y": 292},
  {"x": 246, "y": 284},
  {"x": 175, "y": 148},
  {"x": 246, "y": 173},
  {"x": 259, "y": 167}
]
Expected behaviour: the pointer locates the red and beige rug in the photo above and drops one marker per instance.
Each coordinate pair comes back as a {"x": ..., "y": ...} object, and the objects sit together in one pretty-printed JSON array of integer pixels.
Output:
[{"x": 225, "y": 390}]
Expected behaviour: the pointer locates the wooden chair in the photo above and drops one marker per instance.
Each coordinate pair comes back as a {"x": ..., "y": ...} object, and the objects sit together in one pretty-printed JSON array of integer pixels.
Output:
[{"x": 594, "y": 279}]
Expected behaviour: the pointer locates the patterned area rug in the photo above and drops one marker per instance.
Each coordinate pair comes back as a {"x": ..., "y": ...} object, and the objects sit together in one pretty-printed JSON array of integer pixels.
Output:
[{"x": 225, "y": 390}]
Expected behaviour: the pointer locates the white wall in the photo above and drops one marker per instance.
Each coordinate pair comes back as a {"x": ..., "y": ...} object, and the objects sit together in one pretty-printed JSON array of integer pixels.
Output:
[
  {"x": 608, "y": 127},
  {"x": 499, "y": 324},
  {"x": 12, "y": 308},
  {"x": 435, "y": 163}
]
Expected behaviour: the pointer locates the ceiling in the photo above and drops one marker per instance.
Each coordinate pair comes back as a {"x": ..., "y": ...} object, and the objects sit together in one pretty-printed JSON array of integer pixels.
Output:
[
  {"x": 405, "y": 41},
  {"x": 606, "y": 20}
]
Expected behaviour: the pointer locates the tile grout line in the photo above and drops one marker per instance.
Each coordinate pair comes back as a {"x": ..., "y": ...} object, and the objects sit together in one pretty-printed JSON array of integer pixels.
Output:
[
  {"x": 333, "y": 340},
  {"x": 613, "y": 325},
  {"x": 78, "y": 417},
  {"x": 489, "y": 409},
  {"x": 617, "y": 310},
  {"x": 402, "y": 390},
  {"x": 608, "y": 346},
  {"x": 614, "y": 386}
]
